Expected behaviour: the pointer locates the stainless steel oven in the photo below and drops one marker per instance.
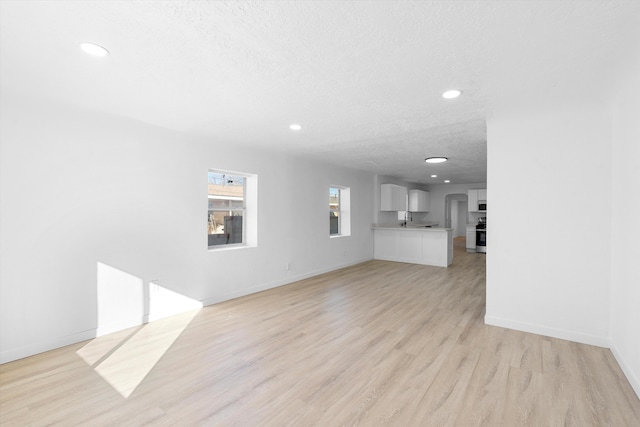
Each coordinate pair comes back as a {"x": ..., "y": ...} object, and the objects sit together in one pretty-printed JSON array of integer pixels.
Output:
[{"x": 481, "y": 236}]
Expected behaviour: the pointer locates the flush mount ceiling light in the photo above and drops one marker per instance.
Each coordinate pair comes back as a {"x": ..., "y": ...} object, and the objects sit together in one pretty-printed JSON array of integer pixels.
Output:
[
  {"x": 434, "y": 176},
  {"x": 447, "y": 181},
  {"x": 435, "y": 159},
  {"x": 453, "y": 93},
  {"x": 94, "y": 49},
  {"x": 295, "y": 127}
]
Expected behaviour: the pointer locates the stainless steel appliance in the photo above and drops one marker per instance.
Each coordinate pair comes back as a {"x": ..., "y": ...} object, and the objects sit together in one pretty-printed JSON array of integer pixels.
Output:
[
  {"x": 481, "y": 235},
  {"x": 482, "y": 207}
]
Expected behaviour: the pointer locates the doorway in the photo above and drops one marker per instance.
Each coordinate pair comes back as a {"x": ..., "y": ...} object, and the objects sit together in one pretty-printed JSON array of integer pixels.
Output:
[{"x": 456, "y": 213}]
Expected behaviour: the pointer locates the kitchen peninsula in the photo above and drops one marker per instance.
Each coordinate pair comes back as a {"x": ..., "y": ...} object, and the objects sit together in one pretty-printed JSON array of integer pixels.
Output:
[{"x": 416, "y": 245}]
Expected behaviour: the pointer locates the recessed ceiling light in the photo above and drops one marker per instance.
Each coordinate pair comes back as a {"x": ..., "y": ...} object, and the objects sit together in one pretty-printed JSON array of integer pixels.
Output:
[
  {"x": 94, "y": 49},
  {"x": 447, "y": 181},
  {"x": 453, "y": 93},
  {"x": 434, "y": 176},
  {"x": 435, "y": 159},
  {"x": 295, "y": 127}
]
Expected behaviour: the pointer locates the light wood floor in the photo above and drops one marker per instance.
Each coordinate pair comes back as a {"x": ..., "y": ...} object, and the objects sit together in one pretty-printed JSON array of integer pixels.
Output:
[{"x": 380, "y": 343}]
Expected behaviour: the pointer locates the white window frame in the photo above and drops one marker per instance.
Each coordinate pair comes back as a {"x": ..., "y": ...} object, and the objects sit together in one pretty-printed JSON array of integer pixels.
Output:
[
  {"x": 344, "y": 211},
  {"x": 248, "y": 209}
]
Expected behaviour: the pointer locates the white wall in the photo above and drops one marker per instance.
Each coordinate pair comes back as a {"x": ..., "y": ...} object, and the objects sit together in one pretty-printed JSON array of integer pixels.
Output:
[
  {"x": 80, "y": 189},
  {"x": 459, "y": 217},
  {"x": 454, "y": 217},
  {"x": 625, "y": 239},
  {"x": 462, "y": 218},
  {"x": 387, "y": 217},
  {"x": 438, "y": 192},
  {"x": 548, "y": 270}
]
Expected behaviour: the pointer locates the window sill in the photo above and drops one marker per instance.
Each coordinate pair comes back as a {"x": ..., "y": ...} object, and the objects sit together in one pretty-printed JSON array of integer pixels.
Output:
[
  {"x": 233, "y": 247},
  {"x": 337, "y": 236}
]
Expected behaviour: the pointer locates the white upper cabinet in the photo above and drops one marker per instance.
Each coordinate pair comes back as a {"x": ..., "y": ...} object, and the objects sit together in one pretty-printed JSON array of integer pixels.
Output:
[
  {"x": 419, "y": 201},
  {"x": 393, "y": 197},
  {"x": 476, "y": 196}
]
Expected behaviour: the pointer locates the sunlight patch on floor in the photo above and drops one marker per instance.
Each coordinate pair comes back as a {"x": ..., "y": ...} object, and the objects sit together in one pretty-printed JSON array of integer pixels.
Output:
[
  {"x": 124, "y": 357},
  {"x": 130, "y": 363}
]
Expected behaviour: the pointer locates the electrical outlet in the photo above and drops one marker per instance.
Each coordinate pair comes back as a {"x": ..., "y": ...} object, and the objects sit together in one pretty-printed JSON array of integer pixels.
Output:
[{"x": 288, "y": 266}]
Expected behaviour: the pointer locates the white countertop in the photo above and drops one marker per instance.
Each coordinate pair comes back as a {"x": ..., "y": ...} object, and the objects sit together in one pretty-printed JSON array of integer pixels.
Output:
[{"x": 410, "y": 228}]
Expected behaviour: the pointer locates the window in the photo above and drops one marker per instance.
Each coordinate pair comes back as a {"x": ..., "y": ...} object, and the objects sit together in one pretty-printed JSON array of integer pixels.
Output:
[
  {"x": 334, "y": 211},
  {"x": 339, "y": 215},
  {"x": 227, "y": 208}
]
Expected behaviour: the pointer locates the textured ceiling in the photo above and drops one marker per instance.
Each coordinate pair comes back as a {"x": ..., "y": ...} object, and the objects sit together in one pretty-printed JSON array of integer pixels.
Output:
[{"x": 363, "y": 78}]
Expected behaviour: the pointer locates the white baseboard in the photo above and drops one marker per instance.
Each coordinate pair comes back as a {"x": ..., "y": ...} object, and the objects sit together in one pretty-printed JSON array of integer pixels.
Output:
[
  {"x": 605, "y": 342},
  {"x": 548, "y": 332},
  {"x": 41, "y": 347},
  {"x": 278, "y": 283},
  {"x": 628, "y": 372}
]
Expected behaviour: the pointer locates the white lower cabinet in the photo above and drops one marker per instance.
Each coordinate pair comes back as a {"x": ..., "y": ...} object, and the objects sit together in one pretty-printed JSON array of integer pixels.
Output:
[
  {"x": 471, "y": 238},
  {"x": 414, "y": 246},
  {"x": 393, "y": 245}
]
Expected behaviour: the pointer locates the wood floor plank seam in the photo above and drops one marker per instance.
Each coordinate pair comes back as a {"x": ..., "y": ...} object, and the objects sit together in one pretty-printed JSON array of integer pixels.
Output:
[{"x": 378, "y": 343}]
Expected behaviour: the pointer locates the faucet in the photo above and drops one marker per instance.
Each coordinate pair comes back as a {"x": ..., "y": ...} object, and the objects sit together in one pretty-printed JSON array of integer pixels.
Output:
[{"x": 406, "y": 215}]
